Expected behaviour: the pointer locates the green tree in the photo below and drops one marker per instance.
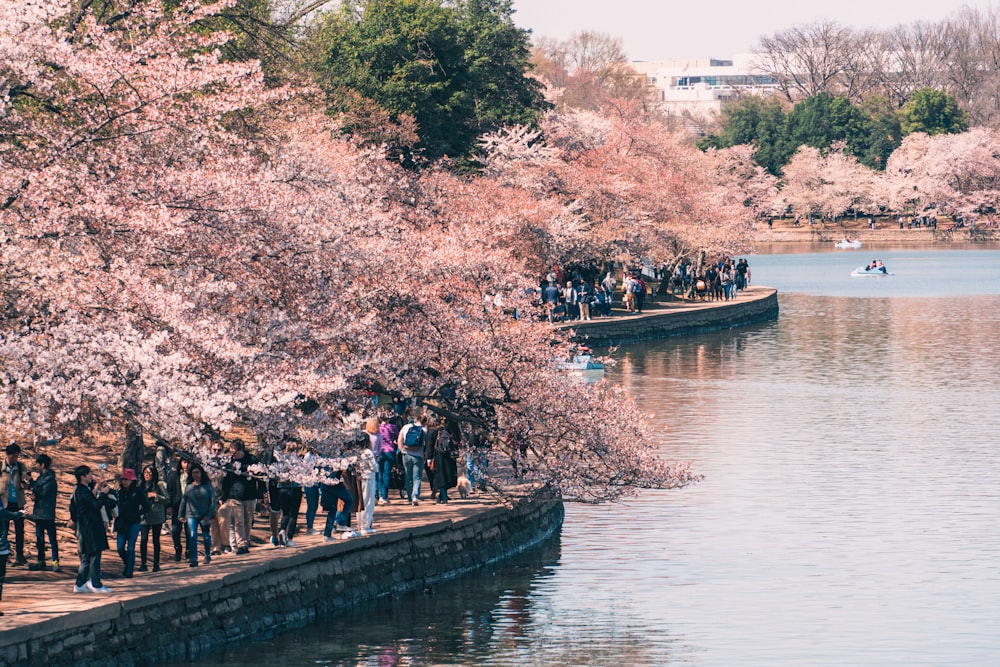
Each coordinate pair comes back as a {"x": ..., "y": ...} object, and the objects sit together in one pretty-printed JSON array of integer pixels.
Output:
[
  {"x": 453, "y": 70},
  {"x": 759, "y": 121},
  {"x": 934, "y": 112}
]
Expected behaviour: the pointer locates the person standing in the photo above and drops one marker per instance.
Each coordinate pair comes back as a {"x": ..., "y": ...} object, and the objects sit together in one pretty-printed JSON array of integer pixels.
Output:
[
  {"x": 85, "y": 507},
  {"x": 239, "y": 489},
  {"x": 155, "y": 492},
  {"x": 132, "y": 505},
  {"x": 222, "y": 522},
  {"x": 197, "y": 509},
  {"x": 43, "y": 512},
  {"x": 6, "y": 516},
  {"x": 12, "y": 487}
]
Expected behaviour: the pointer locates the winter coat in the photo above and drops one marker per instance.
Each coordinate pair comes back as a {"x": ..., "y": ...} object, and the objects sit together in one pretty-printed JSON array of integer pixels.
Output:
[
  {"x": 444, "y": 469},
  {"x": 44, "y": 490},
  {"x": 157, "y": 512},
  {"x": 85, "y": 509},
  {"x": 238, "y": 484},
  {"x": 132, "y": 506}
]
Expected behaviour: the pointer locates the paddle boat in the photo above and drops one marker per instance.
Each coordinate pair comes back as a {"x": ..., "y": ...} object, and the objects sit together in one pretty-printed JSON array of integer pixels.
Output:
[
  {"x": 848, "y": 242},
  {"x": 871, "y": 270},
  {"x": 582, "y": 359}
]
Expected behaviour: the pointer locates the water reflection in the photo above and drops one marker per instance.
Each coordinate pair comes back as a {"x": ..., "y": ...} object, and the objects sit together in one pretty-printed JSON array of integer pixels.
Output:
[{"x": 848, "y": 516}]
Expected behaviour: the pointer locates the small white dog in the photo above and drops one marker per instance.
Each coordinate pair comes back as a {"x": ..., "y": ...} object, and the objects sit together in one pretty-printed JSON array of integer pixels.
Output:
[{"x": 464, "y": 487}]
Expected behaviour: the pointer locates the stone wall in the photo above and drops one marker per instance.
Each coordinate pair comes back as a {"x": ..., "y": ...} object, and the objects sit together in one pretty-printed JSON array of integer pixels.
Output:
[
  {"x": 190, "y": 622},
  {"x": 682, "y": 320}
]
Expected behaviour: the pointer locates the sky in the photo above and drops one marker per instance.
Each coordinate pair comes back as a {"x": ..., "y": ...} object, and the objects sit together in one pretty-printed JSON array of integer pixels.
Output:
[{"x": 683, "y": 29}]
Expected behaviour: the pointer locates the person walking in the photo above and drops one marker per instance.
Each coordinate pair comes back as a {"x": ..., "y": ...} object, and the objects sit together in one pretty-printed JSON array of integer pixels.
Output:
[
  {"x": 85, "y": 507},
  {"x": 132, "y": 505},
  {"x": 411, "y": 443},
  {"x": 43, "y": 512},
  {"x": 155, "y": 492},
  {"x": 239, "y": 489},
  {"x": 197, "y": 508}
]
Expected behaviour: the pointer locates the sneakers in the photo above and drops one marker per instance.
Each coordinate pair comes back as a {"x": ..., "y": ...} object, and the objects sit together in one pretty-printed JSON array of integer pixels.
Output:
[
  {"x": 341, "y": 529},
  {"x": 415, "y": 501},
  {"x": 55, "y": 566},
  {"x": 311, "y": 531},
  {"x": 142, "y": 568},
  {"x": 156, "y": 567},
  {"x": 274, "y": 541},
  {"x": 193, "y": 564},
  {"x": 368, "y": 531},
  {"x": 80, "y": 589},
  {"x": 96, "y": 589},
  {"x": 290, "y": 543},
  {"x": 329, "y": 538},
  {"x": 208, "y": 559},
  {"x": 282, "y": 538},
  {"x": 242, "y": 550}
]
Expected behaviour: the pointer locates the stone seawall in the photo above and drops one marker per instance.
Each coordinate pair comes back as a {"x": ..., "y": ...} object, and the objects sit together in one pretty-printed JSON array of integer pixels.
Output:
[
  {"x": 758, "y": 304},
  {"x": 190, "y": 622}
]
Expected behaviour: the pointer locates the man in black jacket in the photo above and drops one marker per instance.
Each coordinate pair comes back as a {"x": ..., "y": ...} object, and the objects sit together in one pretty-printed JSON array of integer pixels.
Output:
[
  {"x": 43, "y": 512},
  {"x": 85, "y": 509},
  {"x": 239, "y": 490},
  {"x": 177, "y": 480}
]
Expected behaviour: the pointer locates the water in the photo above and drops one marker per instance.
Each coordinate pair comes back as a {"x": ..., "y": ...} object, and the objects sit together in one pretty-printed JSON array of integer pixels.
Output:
[{"x": 849, "y": 514}]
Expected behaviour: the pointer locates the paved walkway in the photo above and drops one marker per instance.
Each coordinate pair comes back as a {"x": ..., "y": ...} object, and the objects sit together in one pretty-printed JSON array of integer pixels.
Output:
[{"x": 31, "y": 597}]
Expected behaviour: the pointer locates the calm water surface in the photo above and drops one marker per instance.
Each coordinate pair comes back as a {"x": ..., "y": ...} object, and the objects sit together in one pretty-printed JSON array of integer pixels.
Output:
[{"x": 850, "y": 513}]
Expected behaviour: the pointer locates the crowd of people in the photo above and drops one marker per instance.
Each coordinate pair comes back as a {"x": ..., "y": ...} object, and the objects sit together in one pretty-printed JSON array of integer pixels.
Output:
[
  {"x": 584, "y": 295},
  {"x": 207, "y": 508}
]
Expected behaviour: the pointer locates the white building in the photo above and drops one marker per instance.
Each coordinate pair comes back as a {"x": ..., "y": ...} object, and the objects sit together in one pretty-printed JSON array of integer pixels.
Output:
[{"x": 701, "y": 87}]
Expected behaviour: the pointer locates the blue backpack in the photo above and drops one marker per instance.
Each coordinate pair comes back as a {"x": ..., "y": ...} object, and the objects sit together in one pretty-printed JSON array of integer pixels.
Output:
[{"x": 414, "y": 438}]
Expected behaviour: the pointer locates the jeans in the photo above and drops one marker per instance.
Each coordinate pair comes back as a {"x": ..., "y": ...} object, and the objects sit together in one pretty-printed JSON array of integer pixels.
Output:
[
  {"x": 126, "y": 546},
  {"x": 90, "y": 570},
  {"x": 18, "y": 531},
  {"x": 312, "y": 505},
  {"x": 332, "y": 493},
  {"x": 384, "y": 474},
  {"x": 414, "y": 467},
  {"x": 43, "y": 527},
  {"x": 475, "y": 466},
  {"x": 193, "y": 526}
]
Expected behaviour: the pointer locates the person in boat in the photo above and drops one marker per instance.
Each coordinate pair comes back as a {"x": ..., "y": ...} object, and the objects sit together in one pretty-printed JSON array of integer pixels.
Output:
[
  {"x": 879, "y": 266},
  {"x": 871, "y": 267},
  {"x": 848, "y": 239}
]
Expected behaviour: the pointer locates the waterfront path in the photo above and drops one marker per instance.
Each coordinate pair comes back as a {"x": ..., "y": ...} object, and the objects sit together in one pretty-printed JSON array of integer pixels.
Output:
[
  {"x": 677, "y": 317},
  {"x": 34, "y": 597}
]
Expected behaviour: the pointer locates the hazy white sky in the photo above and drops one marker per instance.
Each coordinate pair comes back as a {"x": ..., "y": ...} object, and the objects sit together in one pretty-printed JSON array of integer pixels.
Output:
[{"x": 676, "y": 29}]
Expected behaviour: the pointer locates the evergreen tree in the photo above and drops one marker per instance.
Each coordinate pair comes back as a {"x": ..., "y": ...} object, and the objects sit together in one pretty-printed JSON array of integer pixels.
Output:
[{"x": 933, "y": 112}]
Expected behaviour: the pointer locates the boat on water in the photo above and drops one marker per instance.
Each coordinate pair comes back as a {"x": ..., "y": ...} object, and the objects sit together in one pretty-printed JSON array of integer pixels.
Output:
[
  {"x": 864, "y": 271},
  {"x": 848, "y": 243},
  {"x": 579, "y": 362}
]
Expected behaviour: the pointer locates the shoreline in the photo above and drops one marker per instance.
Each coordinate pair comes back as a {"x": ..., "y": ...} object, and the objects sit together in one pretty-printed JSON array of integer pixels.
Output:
[
  {"x": 183, "y": 614},
  {"x": 669, "y": 317}
]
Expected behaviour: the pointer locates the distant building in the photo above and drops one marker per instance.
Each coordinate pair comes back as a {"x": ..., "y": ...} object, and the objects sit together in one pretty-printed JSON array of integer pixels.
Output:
[{"x": 701, "y": 87}]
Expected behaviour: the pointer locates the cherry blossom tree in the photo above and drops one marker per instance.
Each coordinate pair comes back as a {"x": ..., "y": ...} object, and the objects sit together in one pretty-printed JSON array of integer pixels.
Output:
[{"x": 185, "y": 249}]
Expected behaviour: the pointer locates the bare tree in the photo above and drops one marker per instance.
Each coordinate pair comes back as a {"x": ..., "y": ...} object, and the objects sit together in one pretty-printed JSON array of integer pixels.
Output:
[
  {"x": 809, "y": 59},
  {"x": 589, "y": 69}
]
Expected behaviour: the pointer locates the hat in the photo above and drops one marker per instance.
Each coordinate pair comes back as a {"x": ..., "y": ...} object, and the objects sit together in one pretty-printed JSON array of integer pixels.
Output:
[{"x": 128, "y": 473}]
